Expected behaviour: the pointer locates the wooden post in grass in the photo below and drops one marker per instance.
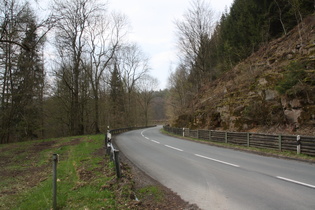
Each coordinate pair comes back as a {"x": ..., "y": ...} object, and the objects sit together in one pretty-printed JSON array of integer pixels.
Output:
[{"x": 54, "y": 190}]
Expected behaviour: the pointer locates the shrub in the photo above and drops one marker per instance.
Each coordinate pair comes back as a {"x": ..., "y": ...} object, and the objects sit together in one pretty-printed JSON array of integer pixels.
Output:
[{"x": 294, "y": 73}]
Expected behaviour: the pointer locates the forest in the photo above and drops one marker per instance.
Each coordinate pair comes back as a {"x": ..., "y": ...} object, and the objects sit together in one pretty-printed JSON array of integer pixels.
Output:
[
  {"x": 93, "y": 79},
  {"x": 96, "y": 78}
]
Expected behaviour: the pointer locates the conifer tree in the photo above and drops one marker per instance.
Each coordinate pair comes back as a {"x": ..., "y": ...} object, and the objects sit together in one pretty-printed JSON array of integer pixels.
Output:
[{"x": 116, "y": 99}]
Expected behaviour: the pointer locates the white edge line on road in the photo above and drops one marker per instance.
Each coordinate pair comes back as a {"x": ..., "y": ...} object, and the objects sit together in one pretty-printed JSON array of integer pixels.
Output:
[
  {"x": 219, "y": 161},
  {"x": 296, "y": 182},
  {"x": 173, "y": 148},
  {"x": 155, "y": 141}
]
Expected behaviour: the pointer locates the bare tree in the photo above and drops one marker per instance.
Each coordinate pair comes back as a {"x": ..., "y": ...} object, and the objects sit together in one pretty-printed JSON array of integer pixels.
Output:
[
  {"x": 296, "y": 7},
  {"x": 133, "y": 65},
  {"x": 145, "y": 92},
  {"x": 13, "y": 8},
  {"x": 180, "y": 93},
  {"x": 105, "y": 35},
  {"x": 74, "y": 17},
  {"x": 281, "y": 17},
  {"x": 194, "y": 33}
]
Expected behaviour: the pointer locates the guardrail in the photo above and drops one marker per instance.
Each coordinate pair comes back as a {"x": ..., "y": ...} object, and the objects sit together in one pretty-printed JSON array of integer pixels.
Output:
[
  {"x": 112, "y": 151},
  {"x": 298, "y": 143}
]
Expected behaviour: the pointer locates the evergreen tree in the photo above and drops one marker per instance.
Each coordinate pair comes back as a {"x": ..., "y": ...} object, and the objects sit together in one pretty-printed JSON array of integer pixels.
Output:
[
  {"x": 116, "y": 99},
  {"x": 29, "y": 79},
  {"x": 22, "y": 78}
]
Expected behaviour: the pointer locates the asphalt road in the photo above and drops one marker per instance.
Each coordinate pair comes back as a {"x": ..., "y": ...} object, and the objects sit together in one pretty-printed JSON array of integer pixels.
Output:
[{"x": 219, "y": 178}]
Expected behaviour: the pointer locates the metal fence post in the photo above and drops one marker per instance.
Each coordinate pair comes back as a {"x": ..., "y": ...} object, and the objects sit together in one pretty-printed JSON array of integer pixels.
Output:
[
  {"x": 54, "y": 190},
  {"x": 226, "y": 137},
  {"x": 117, "y": 164}
]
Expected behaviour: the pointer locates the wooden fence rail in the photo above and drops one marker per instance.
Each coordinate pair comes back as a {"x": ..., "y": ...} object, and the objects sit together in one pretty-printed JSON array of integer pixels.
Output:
[{"x": 258, "y": 140}]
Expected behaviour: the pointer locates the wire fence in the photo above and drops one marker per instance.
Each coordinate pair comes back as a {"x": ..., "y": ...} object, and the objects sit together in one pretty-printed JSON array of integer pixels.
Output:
[{"x": 300, "y": 144}]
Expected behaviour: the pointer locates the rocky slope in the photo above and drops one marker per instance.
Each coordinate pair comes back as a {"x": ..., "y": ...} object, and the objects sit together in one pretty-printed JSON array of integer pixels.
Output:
[{"x": 272, "y": 90}]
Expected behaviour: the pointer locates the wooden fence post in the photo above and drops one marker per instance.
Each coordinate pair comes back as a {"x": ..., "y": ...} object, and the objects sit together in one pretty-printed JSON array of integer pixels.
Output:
[
  {"x": 226, "y": 137},
  {"x": 248, "y": 139},
  {"x": 280, "y": 142},
  {"x": 298, "y": 147}
]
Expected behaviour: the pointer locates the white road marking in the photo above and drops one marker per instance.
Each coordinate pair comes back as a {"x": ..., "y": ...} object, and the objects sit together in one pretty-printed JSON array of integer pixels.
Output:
[
  {"x": 155, "y": 141},
  {"x": 219, "y": 161},
  {"x": 296, "y": 182},
  {"x": 146, "y": 138},
  {"x": 173, "y": 148}
]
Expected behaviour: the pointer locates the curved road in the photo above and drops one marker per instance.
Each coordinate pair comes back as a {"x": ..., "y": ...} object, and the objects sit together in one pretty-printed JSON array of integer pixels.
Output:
[{"x": 219, "y": 178}]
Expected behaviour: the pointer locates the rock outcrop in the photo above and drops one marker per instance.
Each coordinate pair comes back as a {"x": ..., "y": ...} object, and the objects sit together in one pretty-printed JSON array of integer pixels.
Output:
[{"x": 275, "y": 86}]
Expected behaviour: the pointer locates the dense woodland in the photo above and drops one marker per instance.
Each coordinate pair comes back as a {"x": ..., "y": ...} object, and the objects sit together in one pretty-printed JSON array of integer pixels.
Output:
[
  {"x": 209, "y": 49},
  {"x": 96, "y": 78}
]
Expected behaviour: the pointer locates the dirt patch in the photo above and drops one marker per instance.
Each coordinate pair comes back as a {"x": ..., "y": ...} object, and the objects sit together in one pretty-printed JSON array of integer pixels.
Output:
[
  {"x": 42, "y": 146},
  {"x": 25, "y": 160},
  {"x": 71, "y": 143}
]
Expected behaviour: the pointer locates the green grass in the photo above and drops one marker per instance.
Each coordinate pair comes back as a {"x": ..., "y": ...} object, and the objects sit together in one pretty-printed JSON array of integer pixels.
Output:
[
  {"x": 152, "y": 191},
  {"x": 83, "y": 175}
]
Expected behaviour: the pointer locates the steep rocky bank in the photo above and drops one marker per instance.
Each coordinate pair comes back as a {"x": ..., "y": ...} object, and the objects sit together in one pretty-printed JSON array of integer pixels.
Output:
[{"x": 273, "y": 90}]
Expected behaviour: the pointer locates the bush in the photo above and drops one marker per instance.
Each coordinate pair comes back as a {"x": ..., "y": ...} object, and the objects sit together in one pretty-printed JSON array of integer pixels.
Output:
[{"x": 294, "y": 73}]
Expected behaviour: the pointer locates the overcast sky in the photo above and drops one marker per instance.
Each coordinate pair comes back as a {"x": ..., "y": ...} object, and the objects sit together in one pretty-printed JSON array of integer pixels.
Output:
[{"x": 153, "y": 28}]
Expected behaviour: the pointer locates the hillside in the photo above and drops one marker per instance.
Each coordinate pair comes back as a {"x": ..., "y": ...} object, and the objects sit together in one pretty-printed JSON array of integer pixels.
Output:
[{"x": 273, "y": 90}]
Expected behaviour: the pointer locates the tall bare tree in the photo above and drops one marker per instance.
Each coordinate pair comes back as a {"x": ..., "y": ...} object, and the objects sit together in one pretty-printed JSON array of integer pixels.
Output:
[
  {"x": 145, "y": 92},
  {"x": 133, "y": 66},
  {"x": 71, "y": 37},
  {"x": 105, "y": 36},
  {"x": 194, "y": 33}
]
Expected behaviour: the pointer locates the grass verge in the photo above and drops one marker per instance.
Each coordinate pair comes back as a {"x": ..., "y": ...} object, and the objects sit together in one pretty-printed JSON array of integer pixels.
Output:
[{"x": 86, "y": 180}]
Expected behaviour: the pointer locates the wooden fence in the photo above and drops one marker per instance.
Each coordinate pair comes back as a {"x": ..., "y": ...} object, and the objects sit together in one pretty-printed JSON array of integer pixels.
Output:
[{"x": 258, "y": 140}]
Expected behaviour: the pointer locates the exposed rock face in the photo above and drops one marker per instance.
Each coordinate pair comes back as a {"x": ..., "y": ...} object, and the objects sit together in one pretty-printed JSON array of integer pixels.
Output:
[{"x": 250, "y": 94}]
